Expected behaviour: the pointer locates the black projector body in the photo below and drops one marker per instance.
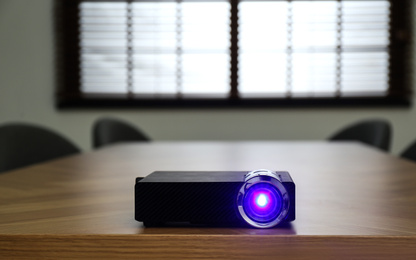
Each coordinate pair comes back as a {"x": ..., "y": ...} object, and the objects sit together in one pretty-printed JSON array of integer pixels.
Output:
[{"x": 229, "y": 198}]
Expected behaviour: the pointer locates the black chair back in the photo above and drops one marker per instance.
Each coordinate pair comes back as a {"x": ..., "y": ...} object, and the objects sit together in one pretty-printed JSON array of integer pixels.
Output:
[
  {"x": 376, "y": 133},
  {"x": 25, "y": 144},
  {"x": 110, "y": 130},
  {"x": 410, "y": 152}
]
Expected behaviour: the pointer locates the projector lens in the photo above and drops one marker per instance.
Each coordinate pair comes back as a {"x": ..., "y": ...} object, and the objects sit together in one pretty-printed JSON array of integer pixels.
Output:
[{"x": 263, "y": 201}]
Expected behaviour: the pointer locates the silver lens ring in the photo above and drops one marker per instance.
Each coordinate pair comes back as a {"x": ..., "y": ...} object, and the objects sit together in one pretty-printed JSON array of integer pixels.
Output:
[{"x": 255, "y": 179}]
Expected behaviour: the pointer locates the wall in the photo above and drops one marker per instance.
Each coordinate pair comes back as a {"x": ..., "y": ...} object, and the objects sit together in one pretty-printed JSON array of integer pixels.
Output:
[{"x": 27, "y": 94}]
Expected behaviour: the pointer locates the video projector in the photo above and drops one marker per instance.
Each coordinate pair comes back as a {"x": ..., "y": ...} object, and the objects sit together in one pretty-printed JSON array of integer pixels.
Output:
[{"x": 260, "y": 198}]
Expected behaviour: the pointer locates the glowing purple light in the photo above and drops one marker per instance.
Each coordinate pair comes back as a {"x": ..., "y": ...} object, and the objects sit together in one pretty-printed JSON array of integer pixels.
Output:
[{"x": 262, "y": 200}]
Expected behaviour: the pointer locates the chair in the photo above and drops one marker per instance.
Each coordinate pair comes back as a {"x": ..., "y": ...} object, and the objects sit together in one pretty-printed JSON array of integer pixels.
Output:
[
  {"x": 25, "y": 144},
  {"x": 376, "y": 133},
  {"x": 410, "y": 152},
  {"x": 110, "y": 130}
]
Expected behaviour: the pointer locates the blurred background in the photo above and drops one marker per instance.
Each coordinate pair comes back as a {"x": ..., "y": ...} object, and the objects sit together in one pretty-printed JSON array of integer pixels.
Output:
[{"x": 28, "y": 87}]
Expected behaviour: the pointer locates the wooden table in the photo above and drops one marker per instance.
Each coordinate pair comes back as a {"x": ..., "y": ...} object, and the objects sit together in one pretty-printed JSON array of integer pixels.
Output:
[{"x": 352, "y": 202}]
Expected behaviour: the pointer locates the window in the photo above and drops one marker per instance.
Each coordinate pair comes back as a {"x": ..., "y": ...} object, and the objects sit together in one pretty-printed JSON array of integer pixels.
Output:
[{"x": 228, "y": 53}]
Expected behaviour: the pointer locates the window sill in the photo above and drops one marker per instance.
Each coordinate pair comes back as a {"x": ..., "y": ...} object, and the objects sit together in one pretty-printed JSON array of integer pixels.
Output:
[{"x": 211, "y": 103}]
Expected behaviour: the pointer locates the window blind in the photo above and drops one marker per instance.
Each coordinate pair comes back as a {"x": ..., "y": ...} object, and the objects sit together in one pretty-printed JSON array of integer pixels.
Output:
[
  {"x": 314, "y": 48},
  {"x": 236, "y": 49},
  {"x": 155, "y": 48}
]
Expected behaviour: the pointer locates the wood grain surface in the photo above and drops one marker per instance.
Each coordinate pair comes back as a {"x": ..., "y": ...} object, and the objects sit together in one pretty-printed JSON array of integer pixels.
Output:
[
  {"x": 352, "y": 202},
  {"x": 206, "y": 247}
]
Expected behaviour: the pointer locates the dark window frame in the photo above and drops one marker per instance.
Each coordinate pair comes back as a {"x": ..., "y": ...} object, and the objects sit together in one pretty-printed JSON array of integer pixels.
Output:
[{"x": 68, "y": 94}]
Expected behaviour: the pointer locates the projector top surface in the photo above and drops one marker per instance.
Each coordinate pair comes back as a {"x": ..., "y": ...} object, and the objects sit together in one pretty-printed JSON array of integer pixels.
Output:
[{"x": 195, "y": 176}]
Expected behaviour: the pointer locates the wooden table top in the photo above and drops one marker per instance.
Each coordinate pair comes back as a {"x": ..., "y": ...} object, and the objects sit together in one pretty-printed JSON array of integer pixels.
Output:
[{"x": 348, "y": 195}]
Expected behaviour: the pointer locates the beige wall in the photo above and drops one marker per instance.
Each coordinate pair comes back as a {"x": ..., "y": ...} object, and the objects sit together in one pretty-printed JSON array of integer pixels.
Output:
[{"x": 27, "y": 94}]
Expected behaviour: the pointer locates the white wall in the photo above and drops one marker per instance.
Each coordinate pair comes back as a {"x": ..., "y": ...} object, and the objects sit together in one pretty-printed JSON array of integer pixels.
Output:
[{"x": 27, "y": 94}]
